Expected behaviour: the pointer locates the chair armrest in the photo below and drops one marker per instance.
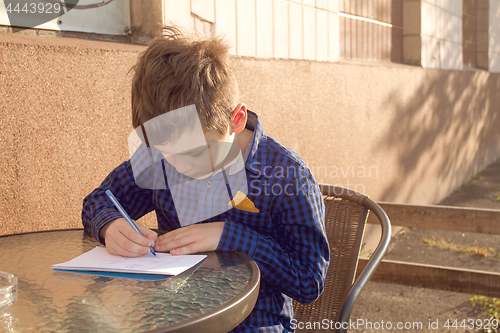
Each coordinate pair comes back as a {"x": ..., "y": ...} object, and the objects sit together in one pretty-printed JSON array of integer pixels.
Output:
[{"x": 375, "y": 259}]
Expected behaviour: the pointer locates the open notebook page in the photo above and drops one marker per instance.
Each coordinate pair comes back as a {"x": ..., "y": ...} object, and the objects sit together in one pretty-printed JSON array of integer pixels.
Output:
[{"x": 98, "y": 259}]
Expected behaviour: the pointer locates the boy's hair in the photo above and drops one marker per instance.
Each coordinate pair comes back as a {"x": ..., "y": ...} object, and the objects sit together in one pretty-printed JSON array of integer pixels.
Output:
[{"x": 177, "y": 70}]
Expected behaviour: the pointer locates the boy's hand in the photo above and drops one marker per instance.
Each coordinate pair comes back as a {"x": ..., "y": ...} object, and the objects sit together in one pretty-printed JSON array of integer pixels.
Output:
[
  {"x": 194, "y": 238},
  {"x": 123, "y": 240}
]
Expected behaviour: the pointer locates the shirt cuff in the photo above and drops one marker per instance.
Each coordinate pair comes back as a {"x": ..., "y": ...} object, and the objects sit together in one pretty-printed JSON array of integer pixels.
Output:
[
  {"x": 238, "y": 237},
  {"x": 104, "y": 217}
]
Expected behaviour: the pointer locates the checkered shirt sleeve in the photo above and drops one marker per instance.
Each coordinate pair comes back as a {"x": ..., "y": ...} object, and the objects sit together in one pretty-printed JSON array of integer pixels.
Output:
[{"x": 98, "y": 210}]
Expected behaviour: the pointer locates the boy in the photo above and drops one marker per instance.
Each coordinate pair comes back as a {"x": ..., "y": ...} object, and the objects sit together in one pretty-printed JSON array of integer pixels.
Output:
[{"x": 215, "y": 180}]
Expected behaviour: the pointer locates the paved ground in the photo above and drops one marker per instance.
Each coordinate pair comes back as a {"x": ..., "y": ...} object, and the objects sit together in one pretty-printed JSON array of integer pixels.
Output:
[{"x": 427, "y": 308}]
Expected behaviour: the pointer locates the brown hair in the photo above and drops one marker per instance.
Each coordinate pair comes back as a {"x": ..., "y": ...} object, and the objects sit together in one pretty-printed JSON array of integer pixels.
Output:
[{"x": 177, "y": 70}]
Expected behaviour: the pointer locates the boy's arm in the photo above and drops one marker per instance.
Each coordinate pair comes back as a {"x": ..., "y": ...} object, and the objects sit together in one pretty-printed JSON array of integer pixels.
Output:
[
  {"x": 295, "y": 262},
  {"x": 98, "y": 211}
]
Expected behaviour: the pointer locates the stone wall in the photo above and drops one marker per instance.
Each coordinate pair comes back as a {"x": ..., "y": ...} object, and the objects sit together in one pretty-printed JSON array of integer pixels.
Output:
[{"x": 396, "y": 132}]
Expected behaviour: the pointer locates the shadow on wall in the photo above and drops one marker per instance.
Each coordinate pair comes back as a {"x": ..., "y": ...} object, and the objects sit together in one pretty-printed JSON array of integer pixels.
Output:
[
  {"x": 449, "y": 130},
  {"x": 494, "y": 61}
]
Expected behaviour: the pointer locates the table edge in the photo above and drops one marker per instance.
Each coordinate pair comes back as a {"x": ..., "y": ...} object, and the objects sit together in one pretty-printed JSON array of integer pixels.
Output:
[
  {"x": 41, "y": 231},
  {"x": 211, "y": 318}
]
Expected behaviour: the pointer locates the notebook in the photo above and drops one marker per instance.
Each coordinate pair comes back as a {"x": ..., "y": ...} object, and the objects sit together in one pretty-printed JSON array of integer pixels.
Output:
[{"x": 148, "y": 267}]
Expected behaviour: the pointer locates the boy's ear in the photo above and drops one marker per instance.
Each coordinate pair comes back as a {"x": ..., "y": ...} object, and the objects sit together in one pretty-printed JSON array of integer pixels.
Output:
[{"x": 239, "y": 118}]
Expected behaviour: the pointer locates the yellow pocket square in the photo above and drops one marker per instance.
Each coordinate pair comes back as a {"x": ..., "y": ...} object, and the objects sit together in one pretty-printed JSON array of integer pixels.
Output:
[{"x": 241, "y": 202}]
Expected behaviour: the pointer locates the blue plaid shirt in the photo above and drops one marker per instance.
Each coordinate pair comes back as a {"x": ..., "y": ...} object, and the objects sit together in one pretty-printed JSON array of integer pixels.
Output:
[{"x": 286, "y": 238}]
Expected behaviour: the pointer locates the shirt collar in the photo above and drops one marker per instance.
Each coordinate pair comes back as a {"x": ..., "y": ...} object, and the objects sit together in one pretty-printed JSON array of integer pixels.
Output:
[{"x": 254, "y": 163}]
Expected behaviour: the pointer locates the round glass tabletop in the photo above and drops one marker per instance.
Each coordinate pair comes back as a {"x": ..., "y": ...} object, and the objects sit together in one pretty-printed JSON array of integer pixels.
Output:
[{"x": 221, "y": 290}]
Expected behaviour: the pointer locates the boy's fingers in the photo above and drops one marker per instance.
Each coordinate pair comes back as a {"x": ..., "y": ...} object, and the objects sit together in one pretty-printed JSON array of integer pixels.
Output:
[
  {"x": 165, "y": 245},
  {"x": 136, "y": 237},
  {"x": 122, "y": 246},
  {"x": 117, "y": 250},
  {"x": 131, "y": 234},
  {"x": 191, "y": 239},
  {"x": 162, "y": 241},
  {"x": 132, "y": 246},
  {"x": 126, "y": 253},
  {"x": 125, "y": 240},
  {"x": 148, "y": 233},
  {"x": 189, "y": 249},
  {"x": 171, "y": 243}
]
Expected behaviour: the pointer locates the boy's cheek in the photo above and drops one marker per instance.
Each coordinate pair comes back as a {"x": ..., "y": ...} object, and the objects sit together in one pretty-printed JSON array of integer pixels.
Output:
[{"x": 219, "y": 151}]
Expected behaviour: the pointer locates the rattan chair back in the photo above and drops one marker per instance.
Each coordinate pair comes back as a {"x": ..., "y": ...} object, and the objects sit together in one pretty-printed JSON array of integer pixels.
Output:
[{"x": 345, "y": 219}]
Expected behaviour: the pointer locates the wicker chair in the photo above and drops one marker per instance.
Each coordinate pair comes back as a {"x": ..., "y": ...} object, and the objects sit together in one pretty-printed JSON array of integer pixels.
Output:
[{"x": 346, "y": 212}]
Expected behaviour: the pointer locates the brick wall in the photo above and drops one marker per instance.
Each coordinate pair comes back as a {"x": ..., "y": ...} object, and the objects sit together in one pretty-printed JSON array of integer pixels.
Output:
[{"x": 392, "y": 132}]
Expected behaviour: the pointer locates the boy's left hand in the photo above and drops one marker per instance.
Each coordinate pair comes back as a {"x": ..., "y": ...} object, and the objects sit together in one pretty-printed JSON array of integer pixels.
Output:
[{"x": 194, "y": 238}]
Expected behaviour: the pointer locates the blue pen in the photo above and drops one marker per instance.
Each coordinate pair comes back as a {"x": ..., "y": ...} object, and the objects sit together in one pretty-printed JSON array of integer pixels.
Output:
[{"x": 126, "y": 216}]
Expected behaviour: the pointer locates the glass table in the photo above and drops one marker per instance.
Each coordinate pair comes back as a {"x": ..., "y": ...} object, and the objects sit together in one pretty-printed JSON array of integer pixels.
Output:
[{"x": 214, "y": 296}]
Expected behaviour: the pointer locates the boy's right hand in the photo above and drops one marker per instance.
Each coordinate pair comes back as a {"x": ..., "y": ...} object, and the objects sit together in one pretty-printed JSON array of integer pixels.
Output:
[{"x": 123, "y": 240}]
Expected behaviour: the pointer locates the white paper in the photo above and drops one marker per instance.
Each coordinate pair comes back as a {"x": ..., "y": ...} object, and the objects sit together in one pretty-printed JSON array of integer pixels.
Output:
[{"x": 99, "y": 259}]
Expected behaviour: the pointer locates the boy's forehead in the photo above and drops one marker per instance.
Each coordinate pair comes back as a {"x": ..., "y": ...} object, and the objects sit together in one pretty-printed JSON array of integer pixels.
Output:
[
  {"x": 177, "y": 131},
  {"x": 178, "y": 125},
  {"x": 187, "y": 140},
  {"x": 198, "y": 136}
]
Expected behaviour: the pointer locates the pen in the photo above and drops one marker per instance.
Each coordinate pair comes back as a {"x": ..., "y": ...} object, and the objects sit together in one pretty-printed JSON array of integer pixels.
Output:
[{"x": 126, "y": 216}]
